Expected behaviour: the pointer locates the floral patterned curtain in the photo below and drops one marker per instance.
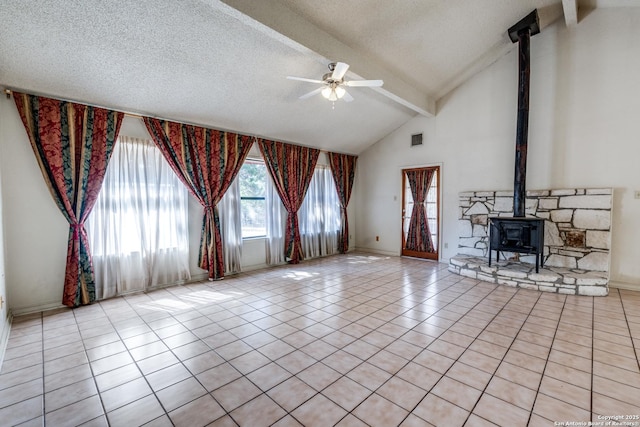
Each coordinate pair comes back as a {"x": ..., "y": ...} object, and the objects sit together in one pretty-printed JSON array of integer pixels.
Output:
[
  {"x": 343, "y": 168},
  {"x": 419, "y": 235},
  {"x": 291, "y": 168},
  {"x": 72, "y": 143},
  {"x": 206, "y": 161}
]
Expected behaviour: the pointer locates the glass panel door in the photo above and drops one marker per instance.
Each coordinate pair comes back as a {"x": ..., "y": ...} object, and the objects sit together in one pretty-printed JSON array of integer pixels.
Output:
[{"x": 432, "y": 207}]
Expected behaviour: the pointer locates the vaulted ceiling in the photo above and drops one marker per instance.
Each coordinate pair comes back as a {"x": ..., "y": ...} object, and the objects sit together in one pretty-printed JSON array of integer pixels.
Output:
[{"x": 223, "y": 63}]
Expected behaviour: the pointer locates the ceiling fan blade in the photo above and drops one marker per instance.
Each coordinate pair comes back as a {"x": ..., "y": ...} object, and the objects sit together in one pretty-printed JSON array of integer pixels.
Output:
[
  {"x": 347, "y": 97},
  {"x": 364, "y": 83},
  {"x": 313, "y": 92},
  {"x": 339, "y": 71},
  {"x": 302, "y": 79}
]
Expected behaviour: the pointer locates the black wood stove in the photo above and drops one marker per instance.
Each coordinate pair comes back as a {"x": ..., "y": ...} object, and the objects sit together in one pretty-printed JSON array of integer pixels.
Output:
[
  {"x": 521, "y": 235},
  {"x": 518, "y": 233}
]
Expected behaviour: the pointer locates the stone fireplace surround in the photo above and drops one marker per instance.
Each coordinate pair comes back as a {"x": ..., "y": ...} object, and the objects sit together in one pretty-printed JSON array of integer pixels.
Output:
[{"x": 577, "y": 240}]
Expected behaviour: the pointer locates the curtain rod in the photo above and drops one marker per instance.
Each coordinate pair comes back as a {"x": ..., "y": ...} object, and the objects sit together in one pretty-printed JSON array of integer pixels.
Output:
[{"x": 8, "y": 92}]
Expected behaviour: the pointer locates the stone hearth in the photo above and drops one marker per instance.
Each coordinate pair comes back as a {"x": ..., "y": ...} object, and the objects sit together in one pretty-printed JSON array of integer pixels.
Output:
[
  {"x": 577, "y": 240},
  {"x": 523, "y": 275}
]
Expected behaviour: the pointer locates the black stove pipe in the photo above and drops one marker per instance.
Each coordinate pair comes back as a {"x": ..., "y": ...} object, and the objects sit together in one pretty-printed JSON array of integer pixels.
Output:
[{"x": 521, "y": 33}]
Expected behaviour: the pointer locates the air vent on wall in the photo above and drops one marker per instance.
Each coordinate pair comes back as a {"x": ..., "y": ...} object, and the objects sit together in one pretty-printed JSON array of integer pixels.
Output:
[{"x": 416, "y": 139}]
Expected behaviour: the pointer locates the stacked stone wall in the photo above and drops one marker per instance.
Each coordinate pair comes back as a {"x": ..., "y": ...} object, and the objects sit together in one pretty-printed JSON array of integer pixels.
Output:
[{"x": 577, "y": 224}]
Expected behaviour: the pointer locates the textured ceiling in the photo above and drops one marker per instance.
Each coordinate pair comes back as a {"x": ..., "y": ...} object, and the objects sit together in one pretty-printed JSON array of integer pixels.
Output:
[
  {"x": 426, "y": 42},
  {"x": 223, "y": 63}
]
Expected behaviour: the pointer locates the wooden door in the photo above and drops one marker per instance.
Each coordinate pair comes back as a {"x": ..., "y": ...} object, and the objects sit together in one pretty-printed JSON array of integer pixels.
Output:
[{"x": 432, "y": 205}]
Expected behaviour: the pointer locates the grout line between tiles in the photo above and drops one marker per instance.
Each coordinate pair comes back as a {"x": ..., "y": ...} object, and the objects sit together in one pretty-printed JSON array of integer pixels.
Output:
[
  {"x": 633, "y": 344},
  {"x": 44, "y": 406},
  {"x": 593, "y": 347},
  {"x": 363, "y": 361},
  {"x": 506, "y": 352},
  {"x": 153, "y": 391},
  {"x": 341, "y": 299}
]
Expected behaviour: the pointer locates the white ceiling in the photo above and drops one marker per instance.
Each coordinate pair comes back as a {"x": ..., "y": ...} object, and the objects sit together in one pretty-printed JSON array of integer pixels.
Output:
[{"x": 223, "y": 63}]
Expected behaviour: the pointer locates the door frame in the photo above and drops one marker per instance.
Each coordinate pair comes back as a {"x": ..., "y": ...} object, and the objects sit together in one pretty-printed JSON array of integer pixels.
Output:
[{"x": 404, "y": 252}]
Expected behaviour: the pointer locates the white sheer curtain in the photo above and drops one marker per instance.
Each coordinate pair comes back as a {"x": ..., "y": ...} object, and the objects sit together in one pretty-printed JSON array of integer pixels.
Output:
[
  {"x": 138, "y": 227},
  {"x": 319, "y": 216},
  {"x": 276, "y": 222},
  {"x": 231, "y": 228}
]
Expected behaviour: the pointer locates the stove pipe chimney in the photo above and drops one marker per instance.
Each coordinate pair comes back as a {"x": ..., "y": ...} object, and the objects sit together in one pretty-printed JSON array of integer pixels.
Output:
[{"x": 521, "y": 33}]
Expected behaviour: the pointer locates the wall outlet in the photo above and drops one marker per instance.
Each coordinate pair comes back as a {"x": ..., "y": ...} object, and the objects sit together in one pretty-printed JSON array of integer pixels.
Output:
[
  {"x": 377, "y": 238},
  {"x": 446, "y": 245},
  {"x": 636, "y": 194}
]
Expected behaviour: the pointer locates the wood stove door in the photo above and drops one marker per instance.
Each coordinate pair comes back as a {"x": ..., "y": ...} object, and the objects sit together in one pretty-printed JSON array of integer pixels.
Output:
[{"x": 432, "y": 208}]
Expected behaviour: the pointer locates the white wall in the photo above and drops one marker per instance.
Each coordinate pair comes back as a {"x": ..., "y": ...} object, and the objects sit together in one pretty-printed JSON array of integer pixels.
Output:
[
  {"x": 35, "y": 232},
  {"x": 583, "y": 132},
  {"x": 5, "y": 320},
  {"x": 34, "y": 229}
]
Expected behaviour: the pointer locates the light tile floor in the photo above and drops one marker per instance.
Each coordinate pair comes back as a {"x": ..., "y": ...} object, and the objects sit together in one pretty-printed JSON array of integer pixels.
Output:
[{"x": 348, "y": 340}]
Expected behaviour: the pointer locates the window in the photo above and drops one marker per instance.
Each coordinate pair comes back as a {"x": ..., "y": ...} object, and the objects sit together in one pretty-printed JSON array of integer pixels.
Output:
[
  {"x": 138, "y": 228},
  {"x": 319, "y": 215},
  {"x": 253, "y": 180},
  {"x": 318, "y": 219}
]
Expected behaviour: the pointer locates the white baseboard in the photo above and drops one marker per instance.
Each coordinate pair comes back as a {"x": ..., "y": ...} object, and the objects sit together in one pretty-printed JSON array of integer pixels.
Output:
[
  {"x": 377, "y": 251},
  {"x": 624, "y": 285},
  {"x": 21, "y": 311},
  {"x": 4, "y": 339},
  {"x": 195, "y": 278},
  {"x": 254, "y": 267}
]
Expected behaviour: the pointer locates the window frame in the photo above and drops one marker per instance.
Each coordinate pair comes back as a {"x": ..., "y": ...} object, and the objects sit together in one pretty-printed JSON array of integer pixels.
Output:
[{"x": 263, "y": 198}]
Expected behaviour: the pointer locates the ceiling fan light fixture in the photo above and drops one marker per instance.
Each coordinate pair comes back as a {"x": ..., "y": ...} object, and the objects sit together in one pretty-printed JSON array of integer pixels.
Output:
[
  {"x": 331, "y": 94},
  {"x": 334, "y": 84}
]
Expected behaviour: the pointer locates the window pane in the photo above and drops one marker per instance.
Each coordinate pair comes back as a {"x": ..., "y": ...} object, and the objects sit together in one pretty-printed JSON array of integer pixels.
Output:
[
  {"x": 319, "y": 215},
  {"x": 138, "y": 228},
  {"x": 252, "y": 179},
  {"x": 253, "y": 218},
  {"x": 141, "y": 204}
]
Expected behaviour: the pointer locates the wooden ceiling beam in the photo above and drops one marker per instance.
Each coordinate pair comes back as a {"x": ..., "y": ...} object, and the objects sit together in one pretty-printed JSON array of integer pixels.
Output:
[
  {"x": 301, "y": 34},
  {"x": 570, "y": 9}
]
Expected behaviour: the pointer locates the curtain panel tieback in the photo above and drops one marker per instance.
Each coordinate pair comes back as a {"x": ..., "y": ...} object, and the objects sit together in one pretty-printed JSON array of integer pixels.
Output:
[
  {"x": 72, "y": 144},
  {"x": 343, "y": 168},
  {"x": 206, "y": 161},
  {"x": 76, "y": 230},
  {"x": 291, "y": 169}
]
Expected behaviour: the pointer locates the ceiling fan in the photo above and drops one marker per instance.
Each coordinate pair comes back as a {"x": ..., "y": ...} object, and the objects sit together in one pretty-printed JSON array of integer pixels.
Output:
[{"x": 333, "y": 83}]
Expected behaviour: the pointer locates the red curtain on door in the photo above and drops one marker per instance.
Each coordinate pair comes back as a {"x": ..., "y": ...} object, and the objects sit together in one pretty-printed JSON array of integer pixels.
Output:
[
  {"x": 73, "y": 144},
  {"x": 419, "y": 235},
  {"x": 343, "y": 169},
  {"x": 291, "y": 168},
  {"x": 206, "y": 161}
]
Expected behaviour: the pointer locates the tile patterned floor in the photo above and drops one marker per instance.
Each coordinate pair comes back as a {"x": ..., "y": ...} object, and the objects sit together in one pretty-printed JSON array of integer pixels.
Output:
[{"x": 349, "y": 340}]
